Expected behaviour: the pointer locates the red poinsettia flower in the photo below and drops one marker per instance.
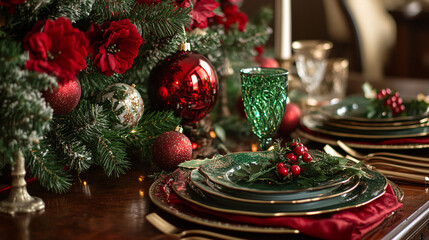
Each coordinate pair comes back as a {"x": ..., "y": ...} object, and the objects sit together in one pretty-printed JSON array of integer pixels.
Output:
[
  {"x": 203, "y": 9},
  {"x": 114, "y": 45},
  {"x": 148, "y": 2},
  {"x": 56, "y": 48},
  {"x": 231, "y": 16}
]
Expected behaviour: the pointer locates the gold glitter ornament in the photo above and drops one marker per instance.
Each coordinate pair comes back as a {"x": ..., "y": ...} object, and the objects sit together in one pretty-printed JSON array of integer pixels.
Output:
[{"x": 127, "y": 103}]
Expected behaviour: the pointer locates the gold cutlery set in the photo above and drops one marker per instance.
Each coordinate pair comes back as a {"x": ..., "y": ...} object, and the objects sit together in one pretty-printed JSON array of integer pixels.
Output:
[{"x": 395, "y": 166}]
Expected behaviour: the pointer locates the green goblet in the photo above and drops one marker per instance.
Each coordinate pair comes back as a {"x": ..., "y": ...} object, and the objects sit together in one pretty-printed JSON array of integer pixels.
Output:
[{"x": 264, "y": 92}]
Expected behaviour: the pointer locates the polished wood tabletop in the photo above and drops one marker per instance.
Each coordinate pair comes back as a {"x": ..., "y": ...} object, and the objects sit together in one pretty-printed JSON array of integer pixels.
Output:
[{"x": 100, "y": 207}]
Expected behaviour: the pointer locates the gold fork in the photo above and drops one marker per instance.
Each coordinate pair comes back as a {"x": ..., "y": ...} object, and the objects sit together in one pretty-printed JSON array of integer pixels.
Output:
[
  {"x": 409, "y": 177},
  {"x": 168, "y": 228},
  {"x": 384, "y": 155}
]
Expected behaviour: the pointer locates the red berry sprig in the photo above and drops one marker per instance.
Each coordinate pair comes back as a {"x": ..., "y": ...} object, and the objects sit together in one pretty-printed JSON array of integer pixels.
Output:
[
  {"x": 392, "y": 100},
  {"x": 298, "y": 152}
]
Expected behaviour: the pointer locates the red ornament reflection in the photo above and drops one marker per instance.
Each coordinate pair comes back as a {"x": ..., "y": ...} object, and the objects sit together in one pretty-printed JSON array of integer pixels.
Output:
[{"x": 185, "y": 82}]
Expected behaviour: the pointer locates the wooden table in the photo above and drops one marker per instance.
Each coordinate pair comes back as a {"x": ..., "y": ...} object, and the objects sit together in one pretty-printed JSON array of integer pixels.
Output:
[{"x": 98, "y": 207}]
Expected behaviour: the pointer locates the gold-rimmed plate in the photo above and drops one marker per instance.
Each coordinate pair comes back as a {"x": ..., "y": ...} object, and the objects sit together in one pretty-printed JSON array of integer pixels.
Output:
[
  {"x": 368, "y": 190},
  {"x": 321, "y": 138},
  {"x": 221, "y": 171},
  {"x": 158, "y": 195},
  {"x": 354, "y": 108},
  {"x": 311, "y": 122},
  {"x": 204, "y": 186},
  {"x": 370, "y": 127},
  {"x": 422, "y": 122}
]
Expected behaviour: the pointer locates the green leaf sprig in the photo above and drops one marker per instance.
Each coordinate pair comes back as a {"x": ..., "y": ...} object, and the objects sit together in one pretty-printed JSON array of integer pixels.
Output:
[{"x": 322, "y": 168}]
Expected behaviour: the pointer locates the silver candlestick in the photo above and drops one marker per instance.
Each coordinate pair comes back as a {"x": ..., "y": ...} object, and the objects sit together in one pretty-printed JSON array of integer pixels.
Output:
[{"x": 19, "y": 201}]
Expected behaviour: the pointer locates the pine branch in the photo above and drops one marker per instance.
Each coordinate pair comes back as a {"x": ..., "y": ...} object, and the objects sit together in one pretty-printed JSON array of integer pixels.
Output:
[
  {"x": 149, "y": 128},
  {"x": 205, "y": 43},
  {"x": 25, "y": 15},
  {"x": 235, "y": 42},
  {"x": 74, "y": 10},
  {"x": 50, "y": 173},
  {"x": 110, "y": 10},
  {"x": 162, "y": 20},
  {"x": 68, "y": 146},
  {"x": 95, "y": 126},
  {"x": 111, "y": 155},
  {"x": 25, "y": 115},
  {"x": 89, "y": 120},
  {"x": 92, "y": 82}
]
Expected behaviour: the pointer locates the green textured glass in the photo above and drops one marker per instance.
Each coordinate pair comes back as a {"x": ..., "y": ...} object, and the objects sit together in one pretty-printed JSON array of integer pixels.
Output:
[{"x": 264, "y": 93}]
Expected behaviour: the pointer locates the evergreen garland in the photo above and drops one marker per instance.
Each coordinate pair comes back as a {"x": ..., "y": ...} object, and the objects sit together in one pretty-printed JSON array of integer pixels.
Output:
[
  {"x": 24, "y": 116},
  {"x": 58, "y": 147}
]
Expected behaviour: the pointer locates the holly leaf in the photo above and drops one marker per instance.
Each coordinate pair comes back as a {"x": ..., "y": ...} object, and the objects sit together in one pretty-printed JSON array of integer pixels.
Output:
[
  {"x": 260, "y": 175},
  {"x": 322, "y": 168},
  {"x": 196, "y": 163}
]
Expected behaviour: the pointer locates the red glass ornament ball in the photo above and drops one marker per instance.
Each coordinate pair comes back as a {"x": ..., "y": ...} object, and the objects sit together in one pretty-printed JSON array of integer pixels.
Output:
[
  {"x": 170, "y": 149},
  {"x": 267, "y": 62},
  {"x": 64, "y": 98},
  {"x": 185, "y": 82},
  {"x": 290, "y": 120}
]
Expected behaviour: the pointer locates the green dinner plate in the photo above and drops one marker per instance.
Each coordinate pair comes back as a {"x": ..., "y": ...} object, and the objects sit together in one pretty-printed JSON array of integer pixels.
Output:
[
  {"x": 206, "y": 187},
  {"x": 420, "y": 121},
  {"x": 220, "y": 171},
  {"x": 354, "y": 108},
  {"x": 424, "y": 122},
  {"x": 158, "y": 194},
  {"x": 368, "y": 190},
  {"x": 326, "y": 139},
  {"x": 313, "y": 122},
  {"x": 347, "y": 125},
  {"x": 317, "y": 126}
]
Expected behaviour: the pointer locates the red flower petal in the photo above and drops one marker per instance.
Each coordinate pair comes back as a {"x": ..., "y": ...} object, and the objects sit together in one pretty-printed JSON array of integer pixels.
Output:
[
  {"x": 56, "y": 48},
  {"x": 40, "y": 44},
  {"x": 115, "y": 46},
  {"x": 203, "y": 9}
]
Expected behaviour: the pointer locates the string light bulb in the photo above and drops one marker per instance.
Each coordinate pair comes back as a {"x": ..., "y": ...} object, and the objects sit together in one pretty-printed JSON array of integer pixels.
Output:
[
  {"x": 212, "y": 134},
  {"x": 254, "y": 147}
]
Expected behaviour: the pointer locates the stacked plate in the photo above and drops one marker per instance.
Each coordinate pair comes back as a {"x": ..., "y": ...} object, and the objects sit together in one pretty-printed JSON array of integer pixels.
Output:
[
  {"x": 347, "y": 121},
  {"x": 214, "y": 187}
]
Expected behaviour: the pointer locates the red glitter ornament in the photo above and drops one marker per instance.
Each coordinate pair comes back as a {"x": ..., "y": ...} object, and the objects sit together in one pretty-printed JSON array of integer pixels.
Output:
[
  {"x": 64, "y": 98},
  {"x": 185, "y": 82},
  {"x": 170, "y": 149}
]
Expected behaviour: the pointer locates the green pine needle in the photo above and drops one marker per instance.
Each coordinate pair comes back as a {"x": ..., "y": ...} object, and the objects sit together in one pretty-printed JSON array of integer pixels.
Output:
[{"x": 49, "y": 173}]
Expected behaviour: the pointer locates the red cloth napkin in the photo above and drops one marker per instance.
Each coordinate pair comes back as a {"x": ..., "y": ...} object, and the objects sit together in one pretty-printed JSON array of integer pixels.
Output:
[{"x": 347, "y": 224}]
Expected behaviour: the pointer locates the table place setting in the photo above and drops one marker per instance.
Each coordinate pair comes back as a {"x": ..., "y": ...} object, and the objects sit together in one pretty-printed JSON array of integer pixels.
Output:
[
  {"x": 344, "y": 206},
  {"x": 283, "y": 188},
  {"x": 377, "y": 120},
  {"x": 177, "y": 119},
  {"x": 370, "y": 123}
]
